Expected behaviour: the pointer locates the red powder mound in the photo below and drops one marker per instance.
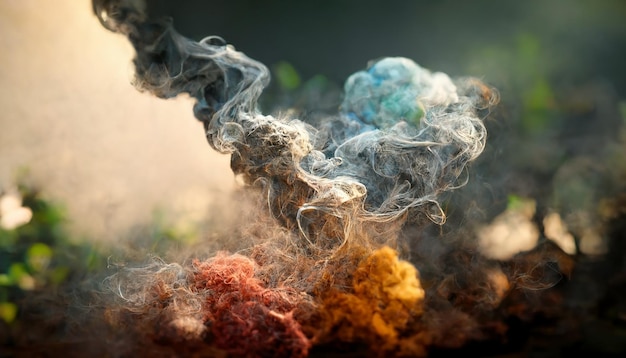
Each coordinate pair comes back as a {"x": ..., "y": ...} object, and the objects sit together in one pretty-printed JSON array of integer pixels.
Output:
[{"x": 246, "y": 319}]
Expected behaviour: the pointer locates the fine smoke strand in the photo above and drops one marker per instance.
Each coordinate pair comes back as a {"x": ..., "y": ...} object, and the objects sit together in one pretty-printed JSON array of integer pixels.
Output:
[{"x": 403, "y": 136}]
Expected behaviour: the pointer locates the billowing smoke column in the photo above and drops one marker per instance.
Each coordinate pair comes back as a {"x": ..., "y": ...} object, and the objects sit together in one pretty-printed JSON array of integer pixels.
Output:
[
  {"x": 337, "y": 194},
  {"x": 403, "y": 137}
]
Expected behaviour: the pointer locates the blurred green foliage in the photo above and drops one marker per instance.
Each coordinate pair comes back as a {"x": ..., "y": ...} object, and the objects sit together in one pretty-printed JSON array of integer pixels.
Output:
[
  {"x": 514, "y": 202},
  {"x": 521, "y": 68},
  {"x": 167, "y": 235},
  {"x": 39, "y": 255},
  {"x": 287, "y": 76}
]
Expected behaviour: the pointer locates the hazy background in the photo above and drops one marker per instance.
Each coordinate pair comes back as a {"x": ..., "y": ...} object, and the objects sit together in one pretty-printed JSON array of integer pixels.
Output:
[
  {"x": 112, "y": 155},
  {"x": 576, "y": 39}
]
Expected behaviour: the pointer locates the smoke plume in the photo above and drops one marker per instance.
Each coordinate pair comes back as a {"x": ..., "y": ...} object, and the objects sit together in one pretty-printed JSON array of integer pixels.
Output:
[
  {"x": 404, "y": 134},
  {"x": 341, "y": 197}
]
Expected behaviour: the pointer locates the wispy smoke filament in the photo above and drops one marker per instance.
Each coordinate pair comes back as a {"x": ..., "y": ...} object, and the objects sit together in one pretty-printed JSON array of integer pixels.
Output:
[{"x": 403, "y": 136}]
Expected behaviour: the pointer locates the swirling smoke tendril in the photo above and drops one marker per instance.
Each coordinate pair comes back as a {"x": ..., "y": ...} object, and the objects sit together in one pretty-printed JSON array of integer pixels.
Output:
[
  {"x": 403, "y": 136},
  {"x": 340, "y": 190}
]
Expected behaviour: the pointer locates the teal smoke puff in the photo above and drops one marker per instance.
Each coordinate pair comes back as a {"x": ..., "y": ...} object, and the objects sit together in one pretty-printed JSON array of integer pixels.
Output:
[{"x": 387, "y": 93}]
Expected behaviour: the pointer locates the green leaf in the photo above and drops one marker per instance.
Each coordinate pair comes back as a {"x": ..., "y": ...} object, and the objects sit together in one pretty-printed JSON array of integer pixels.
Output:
[
  {"x": 19, "y": 275},
  {"x": 8, "y": 311},
  {"x": 514, "y": 202},
  {"x": 38, "y": 256},
  {"x": 5, "y": 280},
  {"x": 16, "y": 271},
  {"x": 287, "y": 76}
]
